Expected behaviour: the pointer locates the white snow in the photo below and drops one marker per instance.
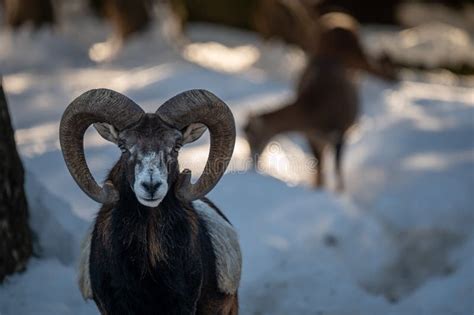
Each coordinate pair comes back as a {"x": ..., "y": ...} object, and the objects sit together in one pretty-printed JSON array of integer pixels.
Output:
[
  {"x": 430, "y": 45},
  {"x": 398, "y": 241}
]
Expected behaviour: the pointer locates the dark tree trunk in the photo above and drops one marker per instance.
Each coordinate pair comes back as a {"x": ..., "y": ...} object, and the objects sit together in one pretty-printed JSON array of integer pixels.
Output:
[
  {"x": 127, "y": 16},
  {"x": 15, "y": 234},
  {"x": 97, "y": 7},
  {"x": 235, "y": 13},
  {"x": 274, "y": 19},
  {"x": 365, "y": 11},
  {"x": 37, "y": 12}
]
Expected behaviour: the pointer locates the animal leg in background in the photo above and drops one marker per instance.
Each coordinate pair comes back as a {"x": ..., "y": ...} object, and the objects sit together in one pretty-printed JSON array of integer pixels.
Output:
[
  {"x": 317, "y": 145},
  {"x": 338, "y": 152}
]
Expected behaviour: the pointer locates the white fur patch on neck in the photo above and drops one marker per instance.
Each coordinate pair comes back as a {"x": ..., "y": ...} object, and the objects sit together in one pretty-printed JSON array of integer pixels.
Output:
[
  {"x": 84, "y": 278},
  {"x": 225, "y": 243}
]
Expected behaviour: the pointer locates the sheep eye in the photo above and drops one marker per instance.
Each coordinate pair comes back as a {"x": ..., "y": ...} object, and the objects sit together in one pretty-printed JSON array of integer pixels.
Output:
[
  {"x": 177, "y": 147},
  {"x": 122, "y": 147}
]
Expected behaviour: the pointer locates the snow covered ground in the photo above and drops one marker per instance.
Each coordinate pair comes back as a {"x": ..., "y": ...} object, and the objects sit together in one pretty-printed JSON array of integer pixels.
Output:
[{"x": 400, "y": 240}]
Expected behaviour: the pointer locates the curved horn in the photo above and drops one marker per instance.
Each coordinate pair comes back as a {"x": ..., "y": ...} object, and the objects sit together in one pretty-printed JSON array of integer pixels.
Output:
[
  {"x": 201, "y": 106},
  {"x": 99, "y": 105}
]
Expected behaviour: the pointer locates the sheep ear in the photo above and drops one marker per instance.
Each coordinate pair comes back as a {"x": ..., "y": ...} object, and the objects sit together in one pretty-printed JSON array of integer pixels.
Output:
[
  {"x": 193, "y": 132},
  {"x": 107, "y": 131}
]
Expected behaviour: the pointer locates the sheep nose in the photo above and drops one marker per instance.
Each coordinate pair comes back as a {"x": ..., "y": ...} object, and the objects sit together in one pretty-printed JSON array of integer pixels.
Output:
[{"x": 151, "y": 188}]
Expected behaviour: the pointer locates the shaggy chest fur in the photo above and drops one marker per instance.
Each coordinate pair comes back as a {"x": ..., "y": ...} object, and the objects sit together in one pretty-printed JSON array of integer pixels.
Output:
[
  {"x": 136, "y": 268},
  {"x": 179, "y": 262}
]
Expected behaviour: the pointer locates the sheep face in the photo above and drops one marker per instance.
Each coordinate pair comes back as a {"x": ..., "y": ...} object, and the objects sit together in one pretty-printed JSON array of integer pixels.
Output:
[{"x": 150, "y": 155}]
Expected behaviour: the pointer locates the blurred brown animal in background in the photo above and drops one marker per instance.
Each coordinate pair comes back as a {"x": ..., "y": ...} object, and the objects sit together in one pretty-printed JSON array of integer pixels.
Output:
[
  {"x": 334, "y": 34},
  {"x": 324, "y": 109},
  {"x": 326, "y": 103}
]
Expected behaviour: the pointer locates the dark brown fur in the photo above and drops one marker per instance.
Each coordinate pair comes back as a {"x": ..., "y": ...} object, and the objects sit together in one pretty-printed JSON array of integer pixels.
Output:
[
  {"x": 153, "y": 260},
  {"x": 326, "y": 104},
  {"x": 325, "y": 108}
]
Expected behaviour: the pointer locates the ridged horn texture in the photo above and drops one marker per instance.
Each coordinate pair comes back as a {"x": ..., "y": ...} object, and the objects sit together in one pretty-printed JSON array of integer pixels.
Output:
[
  {"x": 201, "y": 106},
  {"x": 94, "y": 106}
]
